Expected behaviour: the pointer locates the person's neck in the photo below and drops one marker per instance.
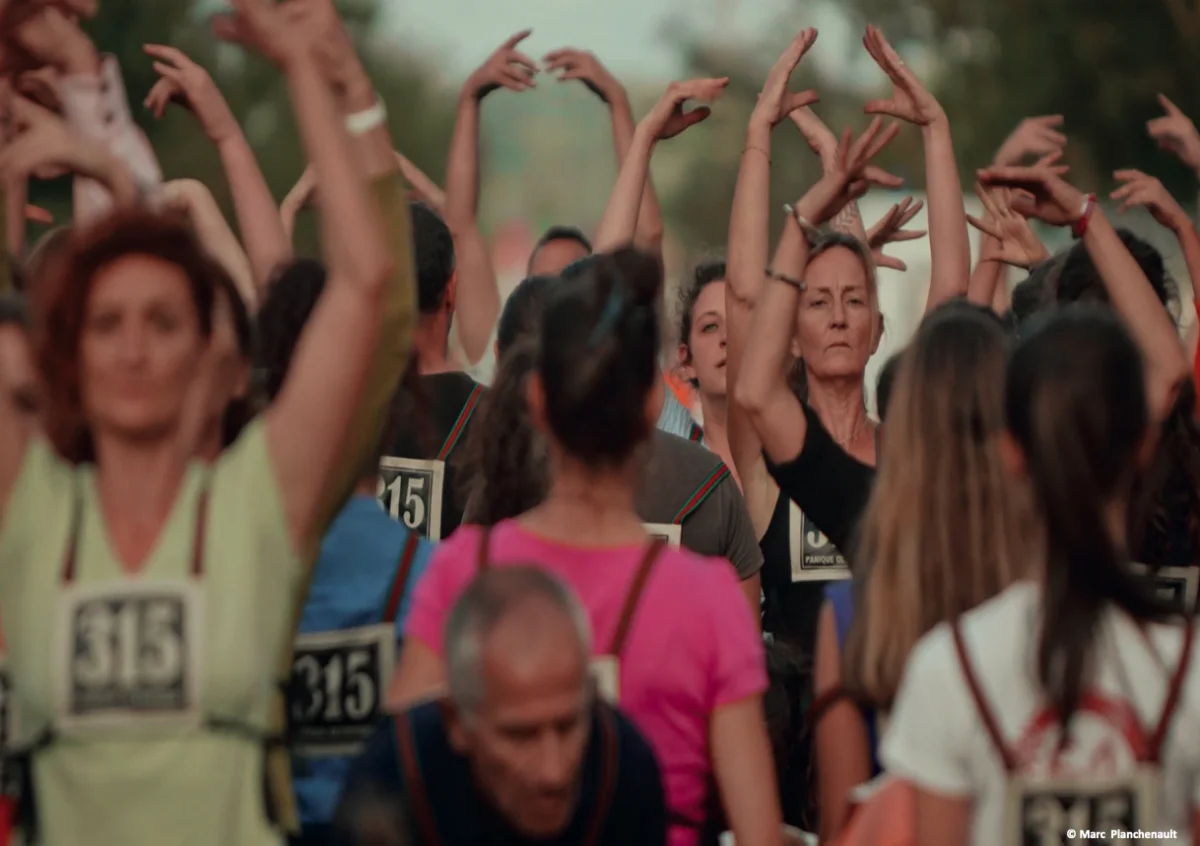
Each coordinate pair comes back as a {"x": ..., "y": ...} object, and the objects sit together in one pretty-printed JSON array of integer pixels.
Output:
[
  {"x": 716, "y": 423},
  {"x": 588, "y": 507},
  {"x": 210, "y": 443},
  {"x": 139, "y": 481},
  {"x": 431, "y": 341},
  {"x": 840, "y": 407}
]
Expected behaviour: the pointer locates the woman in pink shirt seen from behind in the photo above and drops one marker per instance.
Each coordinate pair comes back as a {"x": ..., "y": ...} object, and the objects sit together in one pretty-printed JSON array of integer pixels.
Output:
[{"x": 689, "y": 669}]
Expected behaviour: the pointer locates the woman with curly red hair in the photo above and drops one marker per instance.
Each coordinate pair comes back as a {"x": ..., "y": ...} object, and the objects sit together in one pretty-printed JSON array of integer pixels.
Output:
[{"x": 146, "y": 595}]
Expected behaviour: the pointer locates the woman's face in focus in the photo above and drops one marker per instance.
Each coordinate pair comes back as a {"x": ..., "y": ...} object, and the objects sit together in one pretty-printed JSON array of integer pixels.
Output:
[
  {"x": 18, "y": 376},
  {"x": 838, "y": 323},
  {"x": 703, "y": 357},
  {"x": 140, "y": 349}
]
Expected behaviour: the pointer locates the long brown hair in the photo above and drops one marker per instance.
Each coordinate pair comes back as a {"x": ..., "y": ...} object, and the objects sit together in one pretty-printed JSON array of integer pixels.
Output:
[{"x": 944, "y": 528}]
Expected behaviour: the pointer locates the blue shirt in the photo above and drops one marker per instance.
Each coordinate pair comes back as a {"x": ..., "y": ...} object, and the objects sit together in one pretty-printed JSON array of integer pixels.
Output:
[{"x": 353, "y": 586}]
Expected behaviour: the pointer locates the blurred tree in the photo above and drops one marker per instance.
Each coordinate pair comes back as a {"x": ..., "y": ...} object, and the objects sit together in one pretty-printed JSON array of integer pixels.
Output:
[{"x": 421, "y": 114}]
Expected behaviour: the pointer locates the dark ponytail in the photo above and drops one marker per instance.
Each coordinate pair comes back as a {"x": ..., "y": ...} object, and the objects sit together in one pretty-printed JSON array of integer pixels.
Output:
[
  {"x": 599, "y": 355},
  {"x": 1075, "y": 402}
]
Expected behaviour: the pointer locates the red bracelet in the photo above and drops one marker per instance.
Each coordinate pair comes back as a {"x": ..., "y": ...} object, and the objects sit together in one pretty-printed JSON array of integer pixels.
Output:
[{"x": 1079, "y": 227}]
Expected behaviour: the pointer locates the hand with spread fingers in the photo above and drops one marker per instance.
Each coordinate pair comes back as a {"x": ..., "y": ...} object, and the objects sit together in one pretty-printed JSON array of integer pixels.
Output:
[
  {"x": 507, "y": 68},
  {"x": 824, "y": 143},
  {"x": 1010, "y": 239},
  {"x": 1045, "y": 196},
  {"x": 1141, "y": 190},
  {"x": 775, "y": 102},
  {"x": 185, "y": 82},
  {"x": 273, "y": 30},
  {"x": 1176, "y": 133},
  {"x": 890, "y": 229},
  {"x": 1035, "y": 136},
  {"x": 846, "y": 180},
  {"x": 570, "y": 64},
  {"x": 910, "y": 100},
  {"x": 668, "y": 117}
]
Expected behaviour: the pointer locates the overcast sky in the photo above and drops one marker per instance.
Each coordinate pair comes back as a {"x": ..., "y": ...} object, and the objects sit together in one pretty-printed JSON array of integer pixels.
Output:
[{"x": 628, "y": 35}]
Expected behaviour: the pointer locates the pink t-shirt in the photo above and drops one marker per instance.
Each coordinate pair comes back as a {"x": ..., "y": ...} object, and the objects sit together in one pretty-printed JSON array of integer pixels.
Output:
[{"x": 692, "y": 645}]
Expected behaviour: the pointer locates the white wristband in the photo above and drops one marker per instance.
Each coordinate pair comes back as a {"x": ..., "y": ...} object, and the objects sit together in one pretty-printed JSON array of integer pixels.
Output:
[{"x": 360, "y": 123}]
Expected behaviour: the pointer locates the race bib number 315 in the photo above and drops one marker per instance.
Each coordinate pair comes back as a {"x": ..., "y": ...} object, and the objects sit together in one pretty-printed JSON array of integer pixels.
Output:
[
  {"x": 410, "y": 490},
  {"x": 338, "y": 683},
  {"x": 132, "y": 653}
]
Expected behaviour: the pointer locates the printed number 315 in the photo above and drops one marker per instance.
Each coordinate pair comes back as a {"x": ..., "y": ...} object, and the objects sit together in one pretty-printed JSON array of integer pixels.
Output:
[{"x": 406, "y": 492}]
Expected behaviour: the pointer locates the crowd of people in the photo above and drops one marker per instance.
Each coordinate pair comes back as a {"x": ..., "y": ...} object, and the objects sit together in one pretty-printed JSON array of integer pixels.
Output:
[{"x": 274, "y": 568}]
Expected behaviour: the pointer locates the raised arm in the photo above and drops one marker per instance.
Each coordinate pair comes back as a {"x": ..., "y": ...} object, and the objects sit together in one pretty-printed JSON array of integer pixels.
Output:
[
  {"x": 746, "y": 261},
  {"x": 666, "y": 120},
  {"x": 1147, "y": 192},
  {"x": 478, "y": 300},
  {"x": 1057, "y": 203},
  {"x": 322, "y": 403},
  {"x": 761, "y": 386},
  {"x": 194, "y": 199},
  {"x": 950, "y": 250},
  {"x": 585, "y": 67},
  {"x": 92, "y": 95},
  {"x": 185, "y": 82}
]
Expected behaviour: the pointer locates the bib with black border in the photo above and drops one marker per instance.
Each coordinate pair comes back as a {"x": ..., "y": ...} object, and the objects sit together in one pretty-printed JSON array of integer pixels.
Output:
[
  {"x": 813, "y": 556},
  {"x": 1177, "y": 585},
  {"x": 411, "y": 489},
  {"x": 130, "y": 651},
  {"x": 340, "y": 678}
]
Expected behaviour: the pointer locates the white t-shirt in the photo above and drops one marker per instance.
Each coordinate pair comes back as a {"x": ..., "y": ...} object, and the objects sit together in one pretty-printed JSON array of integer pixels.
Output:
[{"x": 937, "y": 740}]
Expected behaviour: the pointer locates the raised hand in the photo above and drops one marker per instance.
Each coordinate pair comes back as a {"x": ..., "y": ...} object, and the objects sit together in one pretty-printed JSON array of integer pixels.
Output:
[
  {"x": 41, "y": 86},
  {"x": 185, "y": 82},
  {"x": 1139, "y": 189},
  {"x": 506, "y": 68},
  {"x": 668, "y": 118},
  {"x": 1176, "y": 133},
  {"x": 910, "y": 100},
  {"x": 44, "y": 145},
  {"x": 1035, "y": 136},
  {"x": 39, "y": 34},
  {"x": 1011, "y": 239},
  {"x": 845, "y": 179},
  {"x": 1045, "y": 195},
  {"x": 775, "y": 102},
  {"x": 273, "y": 30},
  {"x": 36, "y": 214},
  {"x": 890, "y": 229},
  {"x": 570, "y": 64}
]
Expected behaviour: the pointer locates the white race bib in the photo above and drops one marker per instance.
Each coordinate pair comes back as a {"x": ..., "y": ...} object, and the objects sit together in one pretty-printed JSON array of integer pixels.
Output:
[
  {"x": 1042, "y": 810},
  {"x": 671, "y": 533},
  {"x": 814, "y": 557},
  {"x": 410, "y": 490},
  {"x": 339, "y": 680},
  {"x": 130, "y": 654},
  {"x": 606, "y": 670},
  {"x": 1177, "y": 585}
]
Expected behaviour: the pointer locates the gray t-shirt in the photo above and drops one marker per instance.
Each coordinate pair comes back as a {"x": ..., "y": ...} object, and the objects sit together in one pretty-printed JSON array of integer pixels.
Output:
[{"x": 684, "y": 483}]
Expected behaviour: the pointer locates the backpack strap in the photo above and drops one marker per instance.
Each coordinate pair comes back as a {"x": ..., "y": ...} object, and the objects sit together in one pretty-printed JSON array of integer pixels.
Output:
[
  {"x": 482, "y": 558},
  {"x": 981, "y": 705},
  {"x": 460, "y": 423},
  {"x": 610, "y": 765},
  {"x": 1174, "y": 691},
  {"x": 653, "y": 551},
  {"x": 396, "y": 596},
  {"x": 414, "y": 781},
  {"x": 719, "y": 474}
]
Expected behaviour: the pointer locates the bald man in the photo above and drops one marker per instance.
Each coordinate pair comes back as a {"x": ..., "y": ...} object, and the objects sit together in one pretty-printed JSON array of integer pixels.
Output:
[{"x": 521, "y": 751}]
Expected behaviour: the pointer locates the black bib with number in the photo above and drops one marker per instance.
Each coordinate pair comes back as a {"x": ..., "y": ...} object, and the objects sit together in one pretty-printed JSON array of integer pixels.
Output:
[
  {"x": 339, "y": 678},
  {"x": 1042, "y": 811},
  {"x": 814, "y": 557},
  {"x": 410, "y": 490},
  {"x": 338, "y": 683}
]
